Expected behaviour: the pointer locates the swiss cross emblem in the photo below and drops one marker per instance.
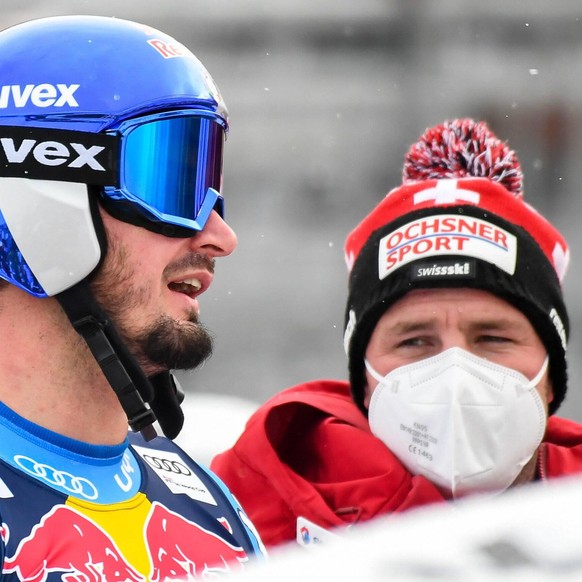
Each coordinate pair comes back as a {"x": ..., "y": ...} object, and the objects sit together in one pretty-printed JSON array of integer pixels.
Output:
[{"x": 446, "y": 192}]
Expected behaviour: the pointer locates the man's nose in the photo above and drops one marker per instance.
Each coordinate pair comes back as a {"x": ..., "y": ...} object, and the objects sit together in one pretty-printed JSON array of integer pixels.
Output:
[
  {"x": 216, "y": 239},
  {"x": 454, "y": 340}
]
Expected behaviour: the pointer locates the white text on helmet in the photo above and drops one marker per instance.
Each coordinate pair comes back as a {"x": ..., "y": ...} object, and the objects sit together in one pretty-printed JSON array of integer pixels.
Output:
[
  {"x": 51, "y": 153},
  {"x": 44, "y": 95}
]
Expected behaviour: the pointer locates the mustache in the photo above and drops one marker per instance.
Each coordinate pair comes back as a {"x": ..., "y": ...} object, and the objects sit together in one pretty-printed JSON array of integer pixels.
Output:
[{"x": 190, "y": 261}]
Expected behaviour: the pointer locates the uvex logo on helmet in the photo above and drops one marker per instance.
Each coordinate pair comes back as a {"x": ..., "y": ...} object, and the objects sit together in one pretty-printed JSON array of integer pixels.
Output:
[
  {"x": 50, "y": 154},
  {"x": 43, "y": 95}
]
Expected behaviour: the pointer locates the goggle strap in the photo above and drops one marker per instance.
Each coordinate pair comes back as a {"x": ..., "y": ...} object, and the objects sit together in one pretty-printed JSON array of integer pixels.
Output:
[{"x": 59, "y": 154}]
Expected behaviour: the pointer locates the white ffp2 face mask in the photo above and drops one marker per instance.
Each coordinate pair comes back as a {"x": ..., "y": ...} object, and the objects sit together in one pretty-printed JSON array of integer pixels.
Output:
[{"x": 466, "y": 424}]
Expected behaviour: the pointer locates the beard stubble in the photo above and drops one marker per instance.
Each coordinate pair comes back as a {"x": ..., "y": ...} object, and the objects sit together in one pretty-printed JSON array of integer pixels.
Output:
[{"x": 164, "y": 344}]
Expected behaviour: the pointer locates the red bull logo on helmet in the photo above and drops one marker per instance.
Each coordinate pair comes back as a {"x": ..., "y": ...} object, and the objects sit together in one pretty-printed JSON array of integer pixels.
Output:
[
  {"x": 443, "y": 235},
  {"x": 169, "y": 50}
]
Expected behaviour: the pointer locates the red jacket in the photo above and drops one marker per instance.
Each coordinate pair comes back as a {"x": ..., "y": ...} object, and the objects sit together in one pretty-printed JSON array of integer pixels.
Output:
[{"x": 309, "y": 452}]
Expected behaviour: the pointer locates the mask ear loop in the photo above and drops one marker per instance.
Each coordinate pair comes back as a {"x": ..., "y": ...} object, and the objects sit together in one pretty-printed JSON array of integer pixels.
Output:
[
  {"x": 538, "y": 377},
  {"x": 373, "y": 372}
]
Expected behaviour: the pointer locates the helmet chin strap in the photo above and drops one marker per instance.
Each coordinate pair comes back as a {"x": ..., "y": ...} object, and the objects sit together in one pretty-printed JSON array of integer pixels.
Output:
[
  {"x": 168, "y": 395},
  {"x": 132, "y": 387}
]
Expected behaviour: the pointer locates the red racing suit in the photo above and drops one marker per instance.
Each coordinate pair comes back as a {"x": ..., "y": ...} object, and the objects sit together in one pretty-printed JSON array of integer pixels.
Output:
[{"x": 308, "y": 452}]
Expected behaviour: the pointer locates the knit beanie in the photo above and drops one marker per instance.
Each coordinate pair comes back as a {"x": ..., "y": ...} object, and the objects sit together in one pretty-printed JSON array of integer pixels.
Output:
[{"x": 457, "y": 220}]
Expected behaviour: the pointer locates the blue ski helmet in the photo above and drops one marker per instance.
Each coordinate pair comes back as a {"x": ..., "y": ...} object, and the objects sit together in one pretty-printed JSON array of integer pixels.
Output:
[{"x": 99, "y": 107}]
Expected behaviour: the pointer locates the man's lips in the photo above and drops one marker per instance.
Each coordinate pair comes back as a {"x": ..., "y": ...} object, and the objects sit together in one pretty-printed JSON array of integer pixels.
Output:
[{"x": 191, "y": 285}]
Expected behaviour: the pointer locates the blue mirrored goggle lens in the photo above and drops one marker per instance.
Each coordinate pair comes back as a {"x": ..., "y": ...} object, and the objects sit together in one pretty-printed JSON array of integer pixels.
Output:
[{"x": 171, "y": 166}]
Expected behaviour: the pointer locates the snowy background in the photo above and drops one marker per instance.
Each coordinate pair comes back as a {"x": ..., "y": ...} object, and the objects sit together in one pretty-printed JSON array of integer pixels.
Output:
[{"x": 325, "y": 97}]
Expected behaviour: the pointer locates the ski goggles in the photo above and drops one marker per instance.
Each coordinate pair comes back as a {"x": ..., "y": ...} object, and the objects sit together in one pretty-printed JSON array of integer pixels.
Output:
[
  {"x": 170, "y": 171},
  {"x": 162, "y": 171}
]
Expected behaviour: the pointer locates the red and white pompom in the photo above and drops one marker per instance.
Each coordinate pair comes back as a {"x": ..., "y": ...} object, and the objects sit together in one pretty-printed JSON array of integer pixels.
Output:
[{"x": 463, "y": 148}]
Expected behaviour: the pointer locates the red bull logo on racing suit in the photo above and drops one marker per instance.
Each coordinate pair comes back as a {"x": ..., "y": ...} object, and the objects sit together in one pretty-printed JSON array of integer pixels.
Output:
[{"x": 74, "y": 545}]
